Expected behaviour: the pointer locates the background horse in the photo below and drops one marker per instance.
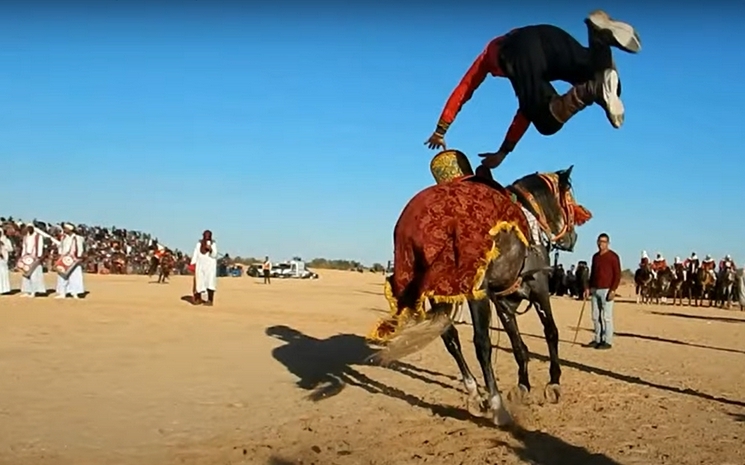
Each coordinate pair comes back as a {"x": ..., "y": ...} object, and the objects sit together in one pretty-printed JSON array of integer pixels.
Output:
[
  {"x": 725, "y": 287},
  {"x": 517, "y": 272},
  {"x": 154, "y": 263},
  {"x": 693, "y": 285},
  {"x": 167, "y": 262},
  {"x": 707, "y": 286},
  {"x": 677, "y": 287},
  {"x": 582, "y": 279},
  {"x": 661, "y": 285},
  {"x": 643, "y": 279}
]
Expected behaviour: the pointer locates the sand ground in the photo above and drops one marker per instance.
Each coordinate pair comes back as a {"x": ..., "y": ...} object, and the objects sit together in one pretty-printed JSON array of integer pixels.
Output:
[{"x": 134, "y": 375}]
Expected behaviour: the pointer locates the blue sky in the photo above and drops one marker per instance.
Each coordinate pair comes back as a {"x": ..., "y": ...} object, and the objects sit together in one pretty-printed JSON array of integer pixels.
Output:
[{"x": 288, "y": 130}]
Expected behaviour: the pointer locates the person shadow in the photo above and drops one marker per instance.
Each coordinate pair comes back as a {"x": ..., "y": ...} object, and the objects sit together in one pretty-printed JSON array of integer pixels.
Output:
[
  {"x": 323, "y": 367},
  {"x": 326, "y": 366}
]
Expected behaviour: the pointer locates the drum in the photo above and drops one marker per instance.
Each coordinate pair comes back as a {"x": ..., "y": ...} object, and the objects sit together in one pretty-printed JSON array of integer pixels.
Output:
[
  {"x": 27, "y": 264},
  {"x": 65, "y": 265}
]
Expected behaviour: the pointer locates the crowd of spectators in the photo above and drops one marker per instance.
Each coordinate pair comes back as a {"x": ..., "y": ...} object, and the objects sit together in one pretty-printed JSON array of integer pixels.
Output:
[{"x": 109, "y": 250}]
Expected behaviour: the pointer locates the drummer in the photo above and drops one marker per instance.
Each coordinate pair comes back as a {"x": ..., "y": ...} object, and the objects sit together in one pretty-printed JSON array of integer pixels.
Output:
[{"x": 71, "y": 249}]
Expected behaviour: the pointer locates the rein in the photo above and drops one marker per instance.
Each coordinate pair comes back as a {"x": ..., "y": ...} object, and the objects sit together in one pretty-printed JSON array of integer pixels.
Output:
[{"x": 566, "y": 203}]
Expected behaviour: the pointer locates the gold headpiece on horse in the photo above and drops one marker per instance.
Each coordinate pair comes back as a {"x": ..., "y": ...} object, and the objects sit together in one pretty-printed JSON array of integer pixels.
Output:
[{"x": 450, "y": 164}]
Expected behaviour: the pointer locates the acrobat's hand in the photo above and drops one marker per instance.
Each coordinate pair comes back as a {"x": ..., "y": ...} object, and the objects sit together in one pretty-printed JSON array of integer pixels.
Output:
[
  {"x": 492, "y": 160},
  {"x": 435, "y": 141}
]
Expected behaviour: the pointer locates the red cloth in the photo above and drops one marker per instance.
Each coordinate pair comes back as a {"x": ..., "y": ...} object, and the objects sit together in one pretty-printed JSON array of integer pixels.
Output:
[
  {"x": 606, "y": 271},
  {"x": 442, "y": 239}
]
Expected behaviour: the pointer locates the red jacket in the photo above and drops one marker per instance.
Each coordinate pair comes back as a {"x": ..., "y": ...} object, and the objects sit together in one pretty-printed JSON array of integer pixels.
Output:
[{"x": 486, "y": 63}]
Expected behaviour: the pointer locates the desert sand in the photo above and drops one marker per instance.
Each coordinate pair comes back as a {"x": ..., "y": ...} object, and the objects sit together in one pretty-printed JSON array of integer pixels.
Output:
[{"x": 132, "y": 374}]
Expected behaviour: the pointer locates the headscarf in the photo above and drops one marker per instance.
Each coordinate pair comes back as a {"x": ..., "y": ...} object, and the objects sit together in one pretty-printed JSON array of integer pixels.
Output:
[{"x": 206, "y": 242}]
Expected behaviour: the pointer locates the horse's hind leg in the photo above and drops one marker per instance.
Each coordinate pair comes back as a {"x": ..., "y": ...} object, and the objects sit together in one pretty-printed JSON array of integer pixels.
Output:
[{"x": 452, "y": 344}]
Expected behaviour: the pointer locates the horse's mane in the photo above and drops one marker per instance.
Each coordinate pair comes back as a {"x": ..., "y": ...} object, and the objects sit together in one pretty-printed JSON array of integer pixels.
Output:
[{"x": 541, "y": 192}]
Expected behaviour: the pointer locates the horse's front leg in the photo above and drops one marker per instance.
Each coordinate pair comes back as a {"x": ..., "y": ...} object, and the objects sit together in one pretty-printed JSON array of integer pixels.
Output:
[
  {"x": 506, "y": 311},
  {"x": 542, "y": 303},
  {"x": 452, "y": 344},
  {"x": 481, "y": 318}
]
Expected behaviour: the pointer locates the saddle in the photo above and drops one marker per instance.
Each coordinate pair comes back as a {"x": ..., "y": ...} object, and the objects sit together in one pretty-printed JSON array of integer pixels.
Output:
[{"x": 451, "y": 165}]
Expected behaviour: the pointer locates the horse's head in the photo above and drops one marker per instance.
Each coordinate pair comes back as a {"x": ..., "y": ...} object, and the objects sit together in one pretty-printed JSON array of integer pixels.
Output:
[{"x": 550, "y": 197}]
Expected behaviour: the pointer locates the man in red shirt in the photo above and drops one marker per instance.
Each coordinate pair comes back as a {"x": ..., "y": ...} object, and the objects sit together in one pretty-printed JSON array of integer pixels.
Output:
[
  {"x": 533, "y": 56},
  {"x": 605, "y": 277}
]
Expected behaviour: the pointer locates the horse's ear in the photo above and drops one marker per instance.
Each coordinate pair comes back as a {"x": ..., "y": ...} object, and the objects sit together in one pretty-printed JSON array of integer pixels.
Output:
[{"x": 565, "y": 176}]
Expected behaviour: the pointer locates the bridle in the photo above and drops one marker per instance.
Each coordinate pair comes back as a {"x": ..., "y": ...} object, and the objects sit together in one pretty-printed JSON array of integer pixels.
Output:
[{"x": 572, "y": 213}]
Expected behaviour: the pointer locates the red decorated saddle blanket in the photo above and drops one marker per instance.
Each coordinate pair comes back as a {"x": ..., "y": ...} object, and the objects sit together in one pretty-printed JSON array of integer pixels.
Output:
[{"x": 443, "y": 242}]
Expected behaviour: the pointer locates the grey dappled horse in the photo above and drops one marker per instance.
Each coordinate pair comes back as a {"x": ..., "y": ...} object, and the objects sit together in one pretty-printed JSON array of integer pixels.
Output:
[{"x": 553, "y": 197}]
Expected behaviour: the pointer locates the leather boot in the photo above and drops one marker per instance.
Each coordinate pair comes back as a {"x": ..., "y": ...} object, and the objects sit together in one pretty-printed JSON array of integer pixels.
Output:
[
  {"x": 613, "y": 32},
  {"x": 603, "y": 90},
  {"x": 563, "y": 107}
]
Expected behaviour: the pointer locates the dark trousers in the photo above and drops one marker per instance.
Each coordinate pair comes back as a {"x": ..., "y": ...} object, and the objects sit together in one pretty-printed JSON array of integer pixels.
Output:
[
  {"x": 533, "y": 56},
  {"x": 267, "y": 277}
]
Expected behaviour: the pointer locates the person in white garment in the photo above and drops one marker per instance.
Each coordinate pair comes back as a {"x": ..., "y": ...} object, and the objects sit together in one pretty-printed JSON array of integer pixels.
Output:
[
  {"x": 33, "y": 245},
  {"x": 204, "y": 260},
  {"x": 6, "y": 247},
  {"x": 71, "y": 245}
]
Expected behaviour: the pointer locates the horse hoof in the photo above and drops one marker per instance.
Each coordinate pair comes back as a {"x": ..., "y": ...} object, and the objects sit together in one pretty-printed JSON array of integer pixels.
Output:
[
  {"x": 502, "y": 418},
  {"x": 519, "y": 394},
  {"x": 477, "y": 407},
  {"x": 552, "y": 393}
]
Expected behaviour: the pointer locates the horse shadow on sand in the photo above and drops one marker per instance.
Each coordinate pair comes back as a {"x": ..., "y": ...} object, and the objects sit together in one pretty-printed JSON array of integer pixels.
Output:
[{"x": 324, "y": 367}]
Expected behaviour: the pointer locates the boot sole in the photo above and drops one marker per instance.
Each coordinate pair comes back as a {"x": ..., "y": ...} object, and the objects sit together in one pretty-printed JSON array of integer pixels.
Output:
[
  {"x": 613, "y": 105},
  {"x": 624, "y": 35}
]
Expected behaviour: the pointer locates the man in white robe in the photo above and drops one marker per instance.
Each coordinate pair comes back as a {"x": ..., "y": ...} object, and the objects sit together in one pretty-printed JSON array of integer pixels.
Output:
[
  {"x": 71, "y": 245},
  {"x": 6, "y": 247},
  {"x": 33, "y": 246},
  {"x": 204, "y": 260}
]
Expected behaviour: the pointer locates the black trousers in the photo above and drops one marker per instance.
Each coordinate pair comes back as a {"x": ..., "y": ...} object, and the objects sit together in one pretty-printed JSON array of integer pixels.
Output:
[{"x": 533, "y": 56}]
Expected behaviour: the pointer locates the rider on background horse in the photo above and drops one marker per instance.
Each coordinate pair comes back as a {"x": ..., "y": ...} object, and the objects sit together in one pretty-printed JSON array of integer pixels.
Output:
[
  {"x": 692, "y": 264},
  {"x": 709, "y": 265},
  {"x": 727, "y": 263},
  {"x": 533, "y": 56},
  {"x": 644, "y": 262},
  {"x": 658, "y": 264},
  {"x": 679, "y": 269}
]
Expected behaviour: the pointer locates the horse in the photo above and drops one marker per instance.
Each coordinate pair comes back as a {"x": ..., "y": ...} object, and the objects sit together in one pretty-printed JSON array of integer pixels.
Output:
[
  {"x": 725, "y": 287},
  {"x": 643, "y": 278},
  {"x": 740, "y": 288},
  {"x": 661, "y": 285},
  {"x": 435, "y": 227},
  {"x": 692, "y": 285},
  {"x": 707, "y": 285},
  {"x": 582, "y": 279},
  {"x": 677, "y": 287},
  {"x": 154, "y": 263},
  {"x": 166, "y": 265}
]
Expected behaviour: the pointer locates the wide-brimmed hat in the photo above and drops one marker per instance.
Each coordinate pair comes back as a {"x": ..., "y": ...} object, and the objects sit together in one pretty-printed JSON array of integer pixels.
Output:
[{"x": 68, "y": 227}]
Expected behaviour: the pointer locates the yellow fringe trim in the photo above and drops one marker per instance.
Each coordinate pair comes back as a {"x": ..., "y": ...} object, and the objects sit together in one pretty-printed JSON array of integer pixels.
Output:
[{"x": 387, "y": 328}]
